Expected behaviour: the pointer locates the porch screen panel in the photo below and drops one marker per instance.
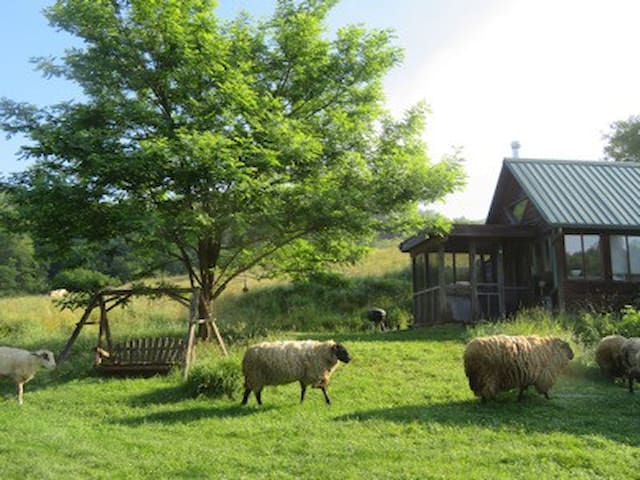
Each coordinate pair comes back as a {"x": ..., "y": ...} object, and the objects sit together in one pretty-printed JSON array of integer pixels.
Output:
[
  {"x": 419, "y": 272},
  {"x": 449, "y": 269},
  {"x": 433, "y": 269},
  {"x": 462, "y": 268}
]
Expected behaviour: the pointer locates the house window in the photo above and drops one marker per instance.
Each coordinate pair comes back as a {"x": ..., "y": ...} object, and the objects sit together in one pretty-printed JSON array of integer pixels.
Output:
[
  {"x": 518, "y": 209},
  {"x": 583, "y": 257},
  {"x": 625, "y": 257}
]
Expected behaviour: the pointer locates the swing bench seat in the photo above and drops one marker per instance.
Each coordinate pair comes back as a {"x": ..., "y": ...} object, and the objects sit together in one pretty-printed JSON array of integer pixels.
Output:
[{"x": 142, "y": 357}]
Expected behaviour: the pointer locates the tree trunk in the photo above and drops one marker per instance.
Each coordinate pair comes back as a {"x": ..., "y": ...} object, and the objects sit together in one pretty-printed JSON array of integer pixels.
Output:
[
  {"x": 205, "y": 312},
  {"x": 208, "y": 252}
]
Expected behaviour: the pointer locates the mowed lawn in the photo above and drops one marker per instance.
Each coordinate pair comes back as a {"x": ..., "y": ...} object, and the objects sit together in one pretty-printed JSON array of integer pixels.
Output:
[{"x": 401, "y": 409}]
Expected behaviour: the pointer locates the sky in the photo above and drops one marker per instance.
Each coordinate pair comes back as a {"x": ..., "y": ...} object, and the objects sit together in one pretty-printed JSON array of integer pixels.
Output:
[{"x": 551, "y": 74}]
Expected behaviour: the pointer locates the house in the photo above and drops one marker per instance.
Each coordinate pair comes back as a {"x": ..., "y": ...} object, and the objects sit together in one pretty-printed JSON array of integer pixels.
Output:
[{"x": 559, "y": 234}]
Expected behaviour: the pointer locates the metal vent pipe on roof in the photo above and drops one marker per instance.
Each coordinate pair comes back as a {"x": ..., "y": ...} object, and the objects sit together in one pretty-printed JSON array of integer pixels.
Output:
[{"x": 515, "y": 149}]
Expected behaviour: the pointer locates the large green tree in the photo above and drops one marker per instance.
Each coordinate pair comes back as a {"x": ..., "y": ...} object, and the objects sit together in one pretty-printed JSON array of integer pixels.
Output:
[
  {"x": 230, "y": 145},
  {"x": 623, "y": 140}
]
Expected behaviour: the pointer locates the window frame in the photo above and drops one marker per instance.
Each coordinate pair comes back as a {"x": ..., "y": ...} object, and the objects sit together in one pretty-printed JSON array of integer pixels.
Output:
[
  {"x": 584, "y": 277},
  {"x": 629, "y": 275}
]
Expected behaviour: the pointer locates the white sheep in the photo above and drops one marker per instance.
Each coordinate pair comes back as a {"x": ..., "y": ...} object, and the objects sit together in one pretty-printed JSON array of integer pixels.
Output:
[
  {"x": 277, "y": 363},
  {"x": 22, "y": 365},
  {"x": 58, "y": 294},
  {"x": 631, "y": 359}
]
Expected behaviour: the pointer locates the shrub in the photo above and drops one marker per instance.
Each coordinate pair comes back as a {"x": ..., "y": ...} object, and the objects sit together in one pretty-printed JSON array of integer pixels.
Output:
[
  {"x": 630, "y": 322},
  {"x": 215, "y": 379},
  {"x": 83, "y": 280},
  {"x": 590, "y": 327}
]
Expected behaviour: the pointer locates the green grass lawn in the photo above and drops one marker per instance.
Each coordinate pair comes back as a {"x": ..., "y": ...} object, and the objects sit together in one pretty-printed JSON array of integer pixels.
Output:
[{"x": 401, "y": 409}]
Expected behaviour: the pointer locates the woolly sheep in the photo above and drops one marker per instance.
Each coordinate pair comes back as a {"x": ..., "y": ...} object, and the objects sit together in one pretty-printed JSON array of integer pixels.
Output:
[
  {"x": 502, "y": 362},
  {"x": 631, "y": 359},
  {"x": 309, "y": 362},
  {"x": 609, "y": 356},
  {"x": 21, "y": 365},
  {"x": 58, "y": 294}
]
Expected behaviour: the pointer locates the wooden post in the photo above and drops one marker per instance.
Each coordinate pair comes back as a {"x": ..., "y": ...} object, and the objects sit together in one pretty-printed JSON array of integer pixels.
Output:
[
  {"x": 442, "y": 288},
  {"x": 475, "y": 304},
  {"x": 191, "y": 337},
  {"x": 76, "y": 331},
  {"x": 558, "y": 259},
  {"x": 501, "y": 303},
  {"x": 212, "y": 321}
]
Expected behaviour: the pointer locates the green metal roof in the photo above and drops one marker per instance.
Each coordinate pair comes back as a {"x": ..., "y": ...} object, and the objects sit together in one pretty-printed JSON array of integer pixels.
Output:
[{"x": 580, "y": 193}]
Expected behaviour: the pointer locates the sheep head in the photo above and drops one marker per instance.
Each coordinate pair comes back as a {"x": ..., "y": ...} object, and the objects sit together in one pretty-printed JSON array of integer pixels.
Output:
[
  {"x": 46, "y": 358},
  {"x": 565, "y": 348},
  {"x": 340, "y": 352}
]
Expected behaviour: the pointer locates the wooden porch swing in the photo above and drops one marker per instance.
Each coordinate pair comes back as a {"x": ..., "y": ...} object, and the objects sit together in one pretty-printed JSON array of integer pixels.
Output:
[{"x": 142, "y": 356}]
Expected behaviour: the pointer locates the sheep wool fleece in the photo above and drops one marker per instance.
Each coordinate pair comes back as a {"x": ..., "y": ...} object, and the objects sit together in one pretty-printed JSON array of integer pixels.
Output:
[
  {"x": 277, "y": 363},
  {"x": 502, "y": 362}
]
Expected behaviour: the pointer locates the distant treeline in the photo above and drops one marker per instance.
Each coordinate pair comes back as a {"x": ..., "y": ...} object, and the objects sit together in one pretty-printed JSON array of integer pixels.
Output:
[{"x": 25, "y": 267}]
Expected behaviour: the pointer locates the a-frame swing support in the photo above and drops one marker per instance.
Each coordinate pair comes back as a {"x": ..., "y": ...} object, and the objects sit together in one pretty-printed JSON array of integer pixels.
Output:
[{"x": 145, "y": 355}]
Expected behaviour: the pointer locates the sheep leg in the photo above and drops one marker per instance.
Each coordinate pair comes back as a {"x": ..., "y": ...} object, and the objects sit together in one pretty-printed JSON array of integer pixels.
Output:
[
  {"x": 259, "y": 396},
  {"x": 630, "y": 384},
  {"x": 326, "y": 397},
  {"x": 20, "y": 391},
  {"x": 245, "y": 397},
  {"x": 521, "y": 394},
  {"x": 303, "y": 389}
]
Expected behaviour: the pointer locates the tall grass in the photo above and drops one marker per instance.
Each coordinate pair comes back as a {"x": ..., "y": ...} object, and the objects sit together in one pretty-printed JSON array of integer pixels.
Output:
[{"x": 401, "y": 409}]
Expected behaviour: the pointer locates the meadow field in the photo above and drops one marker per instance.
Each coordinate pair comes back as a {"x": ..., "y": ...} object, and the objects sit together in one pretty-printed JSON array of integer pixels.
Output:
[{"x": 402, "y": 409}]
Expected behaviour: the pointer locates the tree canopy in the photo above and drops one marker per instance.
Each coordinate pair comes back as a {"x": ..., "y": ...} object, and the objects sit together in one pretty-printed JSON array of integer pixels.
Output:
[
  {"x": 227, "y": 144},
  {"x": 623, "y": 140}
]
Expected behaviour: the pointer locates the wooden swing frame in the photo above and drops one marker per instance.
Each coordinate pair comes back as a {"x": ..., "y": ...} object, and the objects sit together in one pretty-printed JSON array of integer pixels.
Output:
[{"x": 143, "y": 356}]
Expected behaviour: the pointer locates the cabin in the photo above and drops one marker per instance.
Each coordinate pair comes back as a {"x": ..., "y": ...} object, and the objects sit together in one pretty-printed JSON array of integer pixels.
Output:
[{"x": 564, "y": 235}]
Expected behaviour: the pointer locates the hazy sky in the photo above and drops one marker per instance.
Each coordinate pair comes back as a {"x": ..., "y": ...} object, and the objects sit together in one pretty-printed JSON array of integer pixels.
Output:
[{"x": 552, "y": 74}]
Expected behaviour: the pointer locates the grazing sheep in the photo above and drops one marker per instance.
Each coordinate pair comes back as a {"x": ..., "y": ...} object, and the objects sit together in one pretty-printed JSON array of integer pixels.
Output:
[
  {"x": 631, "y": 359},
  {"x": 58, "y": 294},
  {"x": 277, "y": 363},
  {"x": 21, "y": 365},
  {"x": 502, "y": 362},
  {"x": 609, "y": 356}
]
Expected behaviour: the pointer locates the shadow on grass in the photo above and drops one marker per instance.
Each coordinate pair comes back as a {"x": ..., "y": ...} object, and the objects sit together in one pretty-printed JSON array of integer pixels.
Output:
[
  {"x": 173, "y": 394},
  {"x": 445, "y": 332},
  {"x": 578, "y": 414},
  {"x": 192, "y": 414}
]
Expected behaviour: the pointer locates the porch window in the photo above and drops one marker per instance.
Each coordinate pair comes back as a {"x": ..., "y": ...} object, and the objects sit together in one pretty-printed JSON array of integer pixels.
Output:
[
  {"x": 625, "y": 257},
  {"x": 583, "y": 257}
]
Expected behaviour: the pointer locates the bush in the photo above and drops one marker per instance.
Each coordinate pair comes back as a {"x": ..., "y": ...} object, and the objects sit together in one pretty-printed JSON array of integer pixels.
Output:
[
  {"x": 83, "y": 280},
  {"x": 590, "y": 327},
  {"x": 215, "y": 379}
]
